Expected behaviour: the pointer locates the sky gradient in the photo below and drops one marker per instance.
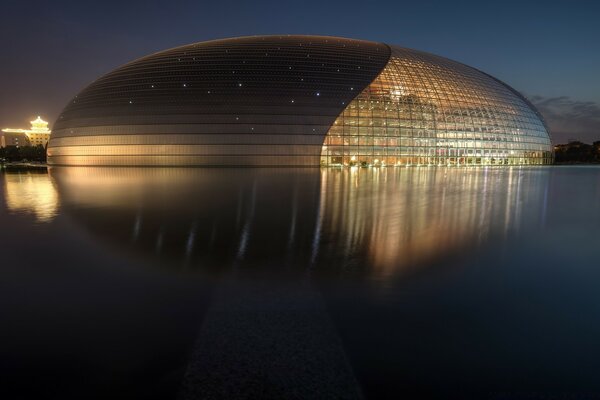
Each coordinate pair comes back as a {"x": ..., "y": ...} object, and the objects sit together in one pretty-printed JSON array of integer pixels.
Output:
[{"x": 549, "y": 51}]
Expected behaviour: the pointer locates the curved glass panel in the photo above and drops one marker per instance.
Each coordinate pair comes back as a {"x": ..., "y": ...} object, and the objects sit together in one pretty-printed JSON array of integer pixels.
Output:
[{"x": 427, "y": 110}]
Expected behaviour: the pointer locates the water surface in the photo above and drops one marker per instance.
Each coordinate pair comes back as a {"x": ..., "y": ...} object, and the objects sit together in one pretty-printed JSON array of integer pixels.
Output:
[{"x": 377, "y": 283}]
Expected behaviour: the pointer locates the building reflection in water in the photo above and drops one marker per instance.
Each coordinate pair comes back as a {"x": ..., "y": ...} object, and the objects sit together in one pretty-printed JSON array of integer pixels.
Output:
[
  {"x": 31, "y": 193},
  {"x": 395, "y": 219},
  {"x": 204, "y": 217},
  {"x": 379, "y": 221}
]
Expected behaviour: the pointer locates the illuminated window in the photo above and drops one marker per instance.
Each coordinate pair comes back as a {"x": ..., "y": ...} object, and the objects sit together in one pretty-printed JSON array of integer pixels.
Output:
[{"x": 427, "y": 110}]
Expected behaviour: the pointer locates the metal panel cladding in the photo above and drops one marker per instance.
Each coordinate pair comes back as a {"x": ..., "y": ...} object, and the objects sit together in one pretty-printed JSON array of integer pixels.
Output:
[{"x": 264, "y": 100}]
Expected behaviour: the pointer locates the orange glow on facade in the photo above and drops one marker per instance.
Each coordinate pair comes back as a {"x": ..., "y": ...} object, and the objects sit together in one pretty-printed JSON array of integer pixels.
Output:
[{"x": 39, "y": 134}]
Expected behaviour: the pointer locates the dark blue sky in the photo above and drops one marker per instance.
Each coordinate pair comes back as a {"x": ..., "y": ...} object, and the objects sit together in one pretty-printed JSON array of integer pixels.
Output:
[{"x": 550, "y": 51}]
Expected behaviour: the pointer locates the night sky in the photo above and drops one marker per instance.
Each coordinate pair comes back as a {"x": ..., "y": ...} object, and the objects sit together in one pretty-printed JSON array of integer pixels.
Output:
[{"x": 549, "y": 51}]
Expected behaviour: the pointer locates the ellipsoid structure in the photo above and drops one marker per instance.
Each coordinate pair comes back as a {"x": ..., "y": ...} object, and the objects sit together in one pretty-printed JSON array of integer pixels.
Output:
[{"x": 295, "y": 100}]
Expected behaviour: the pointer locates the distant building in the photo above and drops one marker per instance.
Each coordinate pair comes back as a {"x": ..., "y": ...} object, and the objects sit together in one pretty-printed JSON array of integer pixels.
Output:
[
  {"x": 14, "y": 139},
  {"x": 39, "y": 134}
]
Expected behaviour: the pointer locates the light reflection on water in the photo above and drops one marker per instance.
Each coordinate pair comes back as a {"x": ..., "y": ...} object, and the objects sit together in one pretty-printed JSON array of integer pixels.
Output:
[
  {"x": 439, "y": 282},
  {"x": 385, "y": 221},
  {"x": 31, "y": 192},
  {"x": 403, "y": 218}
]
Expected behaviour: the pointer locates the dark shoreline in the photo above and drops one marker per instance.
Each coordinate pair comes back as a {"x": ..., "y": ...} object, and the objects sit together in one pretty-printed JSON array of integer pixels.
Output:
[
  {"x": 563, "y": 163},
  {"x": 24, "y": 165},
  {"x": 42, "y": 166}
]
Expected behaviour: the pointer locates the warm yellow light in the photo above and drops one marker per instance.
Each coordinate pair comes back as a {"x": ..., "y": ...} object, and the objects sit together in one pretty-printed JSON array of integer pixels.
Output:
[
  {"x": 39, "y": 125},
  {"x": 32, "y": 193},
  {"x": 38, "y": 134}
]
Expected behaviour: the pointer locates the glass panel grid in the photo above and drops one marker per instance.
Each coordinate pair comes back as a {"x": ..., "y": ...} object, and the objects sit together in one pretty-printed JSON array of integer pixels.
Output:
[{"x": 426, "y": 110}]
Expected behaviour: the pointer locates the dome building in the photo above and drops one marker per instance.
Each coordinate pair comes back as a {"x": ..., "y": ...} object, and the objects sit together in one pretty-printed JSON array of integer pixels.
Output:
[{"x": 297, "y": 101}]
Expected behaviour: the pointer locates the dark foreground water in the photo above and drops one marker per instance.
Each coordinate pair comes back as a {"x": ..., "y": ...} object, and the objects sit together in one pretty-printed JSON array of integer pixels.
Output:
[{"x": 284, "y": 283}]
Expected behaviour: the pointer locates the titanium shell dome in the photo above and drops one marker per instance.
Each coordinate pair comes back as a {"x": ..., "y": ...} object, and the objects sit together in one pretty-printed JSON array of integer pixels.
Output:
[{"x": 297, "y": 101}]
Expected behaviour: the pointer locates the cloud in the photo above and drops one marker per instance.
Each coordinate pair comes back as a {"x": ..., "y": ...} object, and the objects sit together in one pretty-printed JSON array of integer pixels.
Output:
[{"x": 568, "y": 118}]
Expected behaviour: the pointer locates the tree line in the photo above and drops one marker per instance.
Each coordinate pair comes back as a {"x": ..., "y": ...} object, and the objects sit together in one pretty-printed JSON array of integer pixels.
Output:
[
  {"x": 576, "y": 152},
  {"x": 23, "y": 153}
]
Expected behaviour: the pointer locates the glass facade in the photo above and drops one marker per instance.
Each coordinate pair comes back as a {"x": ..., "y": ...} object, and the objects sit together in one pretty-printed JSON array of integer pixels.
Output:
[{"x": 427, "y": 110}]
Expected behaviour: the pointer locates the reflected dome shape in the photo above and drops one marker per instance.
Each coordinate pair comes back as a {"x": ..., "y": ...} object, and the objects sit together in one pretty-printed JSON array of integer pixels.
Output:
[
  {"x": 377, "y": 222},
  {"x": 297, "y": 101}
]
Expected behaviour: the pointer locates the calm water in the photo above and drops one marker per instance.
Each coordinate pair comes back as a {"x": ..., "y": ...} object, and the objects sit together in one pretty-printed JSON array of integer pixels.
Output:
[{"x": 382, "y": 283}]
